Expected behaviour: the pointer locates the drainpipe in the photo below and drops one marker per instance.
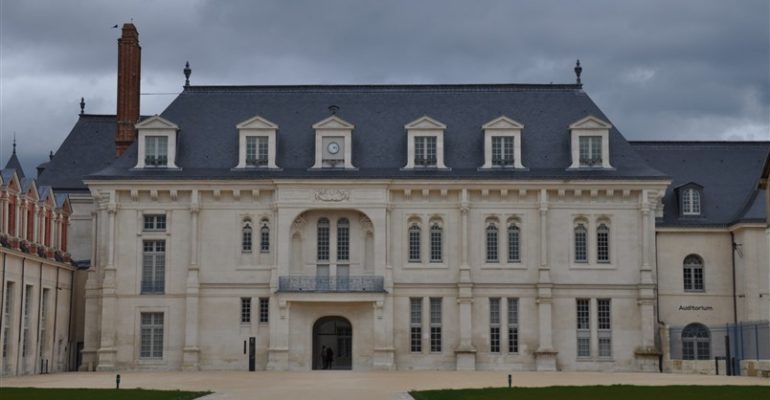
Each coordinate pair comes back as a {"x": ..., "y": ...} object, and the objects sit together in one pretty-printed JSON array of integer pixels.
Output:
[
  {"x": 657, "y": 304},
  {"x": 24, "y": 294},
  {"x": 2, "y": 296},
  {"x": 735, "y": 298}
]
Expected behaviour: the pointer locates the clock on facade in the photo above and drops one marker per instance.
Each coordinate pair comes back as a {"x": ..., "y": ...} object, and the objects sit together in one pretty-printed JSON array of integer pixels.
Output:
[{"x": 333, "y": 148}]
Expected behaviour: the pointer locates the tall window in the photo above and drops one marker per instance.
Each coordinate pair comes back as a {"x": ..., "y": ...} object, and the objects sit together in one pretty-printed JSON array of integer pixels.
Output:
[
  {"x": 603, "y": 243},
  {"x": 264, "y": 237},
  {"x": 323, "y": 239},
  {"x": 590, "y": 151},
  {"x": 415, "y": 324},
  {"x": 435, "y": 324},
  {"x": 513, "y": 325},
  {"x": 44, "y": 321},
  {"x": 604, "y": 327},
  {"x": 343, "y": 239},
  {"x": 246, "y": 237},
  {"x": 245, "y": 310},
  {"x": 696, "y": 342},
  {"x": 514, "y": 243},
  {"x": 436, "y": 243},
  {"x": 492, "y": 253},
  {"x": 155, "y": 223},
  {"x": 691, "y": 202},
  {"x": 264, "y": 309},
  {"x": 583, "y": 328},
  {"x": 151, "y": 341},
  {"x": 693, "y": 274},
  {"x": 256, "y": 150},
  {"x": 154, "y": 266},
  {"x": 581, "y": 243},
  {"x": 156, "y": 151},
  {"x": 502, "y": 151},
  {"x": 494, "y": 324},
  {"x": 25, "y": 343},
  {"x": 7, "y": 321},
  {"x": 414, "y": 243},
  {"x": 425, "y": 151}
]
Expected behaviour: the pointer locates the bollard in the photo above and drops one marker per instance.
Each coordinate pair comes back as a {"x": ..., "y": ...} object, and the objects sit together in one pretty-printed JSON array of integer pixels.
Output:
[
  {"x": 117, "y": 381},
  {"x": 509, "y": 381}
]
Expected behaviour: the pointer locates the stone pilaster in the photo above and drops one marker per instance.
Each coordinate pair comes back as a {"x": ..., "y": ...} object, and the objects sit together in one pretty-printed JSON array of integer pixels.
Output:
[
  {"x": 465, "y": 353},
  {"x": 191, "y": 351},
  {"x": 107, "y": 350},
  {"x": 647, "y": 354},
  {"x": 545, "y": 355}
]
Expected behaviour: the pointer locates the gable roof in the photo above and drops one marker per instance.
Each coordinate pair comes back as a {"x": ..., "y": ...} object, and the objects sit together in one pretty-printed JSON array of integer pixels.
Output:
[
  {"x": 208, "y": 116},
  {"x": 727, "y": 171}
]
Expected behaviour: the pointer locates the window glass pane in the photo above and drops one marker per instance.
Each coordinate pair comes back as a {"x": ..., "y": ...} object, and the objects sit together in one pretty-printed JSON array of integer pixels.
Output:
[
  {"x": 581, "y": 244},
  {"x": 246, "y": 238},
  {"x": 153, "y": 266},
  {"x": 245, "y": 309},
  {"x": 425, "y": 151},
  {"x": 323, "y": 239},
  {"x": 583, "y": 328},
  {"x": 264, "y": 309},
  {"x": 151, "y": 335},
  {"x": 343, "y": 239},
  {"x": 415, "y": 322},
  {"x": 492, "y": 243},
  {"x": 513, "y": 325},
  {"x": 264, "y": 237},
  {"x": 502, "y": 150},
  {"x": 436, "y": 244},
  {"x": 603, "y": 243},
  {"x": 590, "y": 148},
  {"x": 513, "y": 244},
  {"x": 414, "y": 243}
]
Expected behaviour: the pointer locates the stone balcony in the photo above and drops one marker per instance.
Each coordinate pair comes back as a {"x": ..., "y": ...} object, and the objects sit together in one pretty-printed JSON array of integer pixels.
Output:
[{"x": 331, "y": 284}]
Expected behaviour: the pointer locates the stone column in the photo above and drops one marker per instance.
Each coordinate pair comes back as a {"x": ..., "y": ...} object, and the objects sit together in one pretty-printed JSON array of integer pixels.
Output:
[
  {"x": 191, "y": 351},
  {"x": 646, "y": 354},
  {"x": 465, "y": 353},
  {"x": 278, "y": 350},
  {"x": 107, "y": 351},
  {"x": 545, "y": 355}
]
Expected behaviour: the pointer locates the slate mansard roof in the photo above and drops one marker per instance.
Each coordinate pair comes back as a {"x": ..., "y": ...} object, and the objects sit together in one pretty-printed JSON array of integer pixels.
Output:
[
  {"x": 727, "y": 171},
  {"x": 207, "y": 144}
]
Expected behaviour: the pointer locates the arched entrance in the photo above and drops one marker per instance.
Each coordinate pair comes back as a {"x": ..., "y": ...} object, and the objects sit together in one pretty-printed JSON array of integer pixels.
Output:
[{"x": 335, "y": 333}]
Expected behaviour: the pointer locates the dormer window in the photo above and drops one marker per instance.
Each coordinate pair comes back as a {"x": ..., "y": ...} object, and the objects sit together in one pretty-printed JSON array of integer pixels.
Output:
[
  {"x": 691, "y": 202},
  {"x": 502, "y": 143},
  {"x": 425, "y": 151},
  {"x": 157, "y": 143},
  {"x": 256, "y": 138},
  {"x": 590, "y": 142},
  {"x": 256, "y": 151},
  {"x": 425, "y": 144},
  {"x": 156, "y": 151},
  {"x": 502, "y": 151},
  {"x": 333, "y": 143}
]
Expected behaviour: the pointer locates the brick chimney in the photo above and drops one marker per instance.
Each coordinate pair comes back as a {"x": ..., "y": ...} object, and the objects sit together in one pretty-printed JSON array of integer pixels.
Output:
[{"x": 129, "y": 68}]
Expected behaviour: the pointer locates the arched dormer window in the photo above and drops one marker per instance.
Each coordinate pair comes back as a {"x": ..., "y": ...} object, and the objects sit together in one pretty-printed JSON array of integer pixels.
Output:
[
  {"x": 436, "y": 242},
  {"x": 322, "y": 239},
  {"x": 696, "y": 342},
  {"x": 414, "y": 242},
  {"x": 264, "y": 236},
  {"x": 514, "y": 242},
  {"x": 693, "y": 273},
  {"x": 492, "y": 242},
  {"x": 343, "y": 239},
  {"x": 603, "y": 243},
  {"x": 581, "y": 243},
  {"x": 246, "y": 236}
]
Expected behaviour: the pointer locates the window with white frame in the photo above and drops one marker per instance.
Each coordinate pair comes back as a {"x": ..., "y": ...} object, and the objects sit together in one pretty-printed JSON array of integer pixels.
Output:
[
  {"x": 696, "y": 342},
  {"x": 581, "y": 243},
  {"x": 343, "y": 239},
  {"x": 604, "y": 327},
  {"x": 264, "y": 236},
  {"x": 514, "y": 243},
  {"x": 414, "y": 243},
  {"x": 151, "y": 335},
  {"x": 246, "y": 236},
  {"x": 436, "y": 243},
  {"x": 415, "y": 324},
  {"x": 256, "y": 143},
  {"x": 264, "y": 309},
  {"x": 494, "y": 324},
  {"x": 425, "y": 151},
  {"x": 603, "y": 243},
  {"x": 154, "y": 222},
  {"x": 583, "y": 328},
  {"x": 502, "y": 151},
  {"x": 245, "y": 310},
  {"x": 513, "y": 325},
  {"x": 693, "y": 273},
  {"x": 256, "y": 151},
  {"x": 322, "y": 239},
  {"x": 691, "y": 202},
  {"x": 590, "y": 151},
  {"x": 7, "y": 321},
  {"x": 492, "y": 243},
  {"x": 153, "y": 266},
  {"x": 435, "y": 324},
  {"x": 156, "y": 151}
]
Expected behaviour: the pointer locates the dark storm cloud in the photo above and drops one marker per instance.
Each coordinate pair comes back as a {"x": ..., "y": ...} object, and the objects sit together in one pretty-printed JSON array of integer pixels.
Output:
[{"x": 659, "y": 69}]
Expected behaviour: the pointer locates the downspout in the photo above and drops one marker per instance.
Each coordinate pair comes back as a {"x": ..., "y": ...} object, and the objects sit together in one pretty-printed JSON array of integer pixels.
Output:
[
  {"x": 55, "y": 321},
  {"x": 735, "y": 298},
  {"x": 2, "y": 296},
  {"x": 70, "y": 334},
  {"x": 657, "y": 304},
  {"x": 24, "y": 295}
]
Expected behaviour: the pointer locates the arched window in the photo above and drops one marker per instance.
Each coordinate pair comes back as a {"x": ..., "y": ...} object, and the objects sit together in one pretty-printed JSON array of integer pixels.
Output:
[
  {"x": 264, "y": 237},
  {"x": 581, "y": 243},
  {"x": 696, "y": 342},
  {"x": 492, "y": 248},
  {"x": 514, "y": 243},
  {"x": 246, "y": 234},
  {"x": 343, "y": 239},
  {"x": 323, "y": 239},
  {"x": 436, "y": 243},
  {"x": 603, "y": 243},
  {"x": 414, "y": 243},
  {"x": 693, "y": 273},
  {"x": 691, "y": 202}
]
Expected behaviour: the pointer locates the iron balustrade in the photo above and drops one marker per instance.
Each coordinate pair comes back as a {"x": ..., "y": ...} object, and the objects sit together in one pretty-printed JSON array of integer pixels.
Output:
[{"x": 340, "y": 284}]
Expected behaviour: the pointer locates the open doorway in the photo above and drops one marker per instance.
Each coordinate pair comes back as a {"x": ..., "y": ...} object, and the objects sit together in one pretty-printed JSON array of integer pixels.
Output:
[{"x": 332, "y": 343}]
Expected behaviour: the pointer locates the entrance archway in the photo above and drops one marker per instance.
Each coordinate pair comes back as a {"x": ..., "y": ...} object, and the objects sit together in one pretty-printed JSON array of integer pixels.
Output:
[{"x": 335, "y": 333}]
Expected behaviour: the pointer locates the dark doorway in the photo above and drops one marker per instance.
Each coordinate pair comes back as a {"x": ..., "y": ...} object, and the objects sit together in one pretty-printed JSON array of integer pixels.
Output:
[
  {"x": 333, "y": 333},
  {"x": 252, "y": 354}
]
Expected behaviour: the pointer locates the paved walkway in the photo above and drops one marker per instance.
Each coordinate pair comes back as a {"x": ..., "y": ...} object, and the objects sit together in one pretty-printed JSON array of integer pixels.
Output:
[{"x": 340, "y": 385}]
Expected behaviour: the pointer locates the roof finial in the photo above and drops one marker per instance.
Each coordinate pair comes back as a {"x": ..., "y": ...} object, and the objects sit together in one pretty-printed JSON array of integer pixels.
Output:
[
  {"x": 333, "y": 109},
  {"x": 82, "y": 106},
  {"x": 187, "y": 72},
  {"x": 578, "y": 71},
  {"x": 14, "y": 143},
  {"x": 50, "y": 155}
]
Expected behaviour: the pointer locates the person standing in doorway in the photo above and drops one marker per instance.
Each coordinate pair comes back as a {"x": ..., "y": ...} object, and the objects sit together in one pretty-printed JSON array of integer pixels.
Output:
[
  {"x": 329, "y": 357},
  {"x": 323, "y": 357}
]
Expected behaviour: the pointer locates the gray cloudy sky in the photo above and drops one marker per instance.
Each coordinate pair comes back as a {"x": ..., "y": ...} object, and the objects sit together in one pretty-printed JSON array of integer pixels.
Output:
[{"x": 660, "y": 69}]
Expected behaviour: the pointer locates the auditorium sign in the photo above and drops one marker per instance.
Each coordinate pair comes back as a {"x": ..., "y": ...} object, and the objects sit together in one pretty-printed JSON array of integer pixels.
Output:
[{"x": 695, "y": 308}]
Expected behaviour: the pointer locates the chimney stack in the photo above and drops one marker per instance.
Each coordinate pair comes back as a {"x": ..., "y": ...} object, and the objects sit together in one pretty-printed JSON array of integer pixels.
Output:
[{"x": 129, "y": 68}]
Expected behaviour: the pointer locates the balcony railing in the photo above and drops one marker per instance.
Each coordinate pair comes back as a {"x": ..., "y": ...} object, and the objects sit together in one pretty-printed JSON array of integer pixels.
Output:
[{"x": 305, "y": 283}]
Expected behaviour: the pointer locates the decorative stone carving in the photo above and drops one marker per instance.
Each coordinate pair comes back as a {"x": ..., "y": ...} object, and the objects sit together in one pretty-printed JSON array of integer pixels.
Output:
[
  {"x": 299, "y": 222},
  {"x": 366, "y": 223},
  {"x": 332, "y": 195}
]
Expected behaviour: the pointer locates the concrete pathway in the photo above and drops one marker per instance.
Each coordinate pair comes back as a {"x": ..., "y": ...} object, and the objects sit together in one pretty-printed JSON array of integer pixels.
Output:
[{"x": 340, "y": 385}]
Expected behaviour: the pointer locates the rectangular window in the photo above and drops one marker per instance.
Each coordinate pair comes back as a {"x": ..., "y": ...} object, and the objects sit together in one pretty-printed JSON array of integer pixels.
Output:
[
  {"x": 425, "y": 151},
  {"x": 590, "y": 151},
  {"x": 256, "y": 150},
  {"x": 154, "y": 266},
  {"x": 583, "y": 328},
  {"x": 343, "y": 240},
  {"x": 156, "y": 151},
  {"x": 436, "y": 250},
  {"x": 603, "y": 244},
  {"x": 581, "y": 244},
  {"x": 514, "y": 247},
  {"x": 604, "y": 331},
  {"x": 151, "y": 340},
  {"x": 27, "y": 310},
  {"x": 513, "y": 325},
  {"x": 245, "y": 310},
  {"x": 323, "y": 240},
  {"x": 494, "y": 325},
  {"x": 264, "y": 238},
  {"x": 492, "y": 256},
  {"x": 264, "y": 309},
  {"x": 415, "y": 324},
  {"x": 7, "y": 321},
  {"x": 414, "y": 243},
  {"x": 435, "y": 324},
  {"x": 155, "y": 223},
  {"x": 502, "y": 151}
]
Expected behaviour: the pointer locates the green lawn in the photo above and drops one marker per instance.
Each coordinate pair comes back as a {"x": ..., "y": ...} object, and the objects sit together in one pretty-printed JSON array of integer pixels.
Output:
[
  {"x": 7, "y": 393},
  {"x": 622, "y": 392}
]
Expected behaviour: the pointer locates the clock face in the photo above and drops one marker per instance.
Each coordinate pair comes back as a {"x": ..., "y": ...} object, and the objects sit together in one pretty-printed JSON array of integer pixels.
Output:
[{"x": 333, "y": 148}]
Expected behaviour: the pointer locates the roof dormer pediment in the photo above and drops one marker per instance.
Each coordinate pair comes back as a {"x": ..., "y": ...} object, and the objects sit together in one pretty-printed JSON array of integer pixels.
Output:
[
  {"x": 502, "y": 122},
  {"x": 424, "y": 122},
  {"x": 156, "y": 122},
  {"x": 333, "y": 122},
  {"x": 590, "y": 122},
  {"x": 257, "y": 122}
]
